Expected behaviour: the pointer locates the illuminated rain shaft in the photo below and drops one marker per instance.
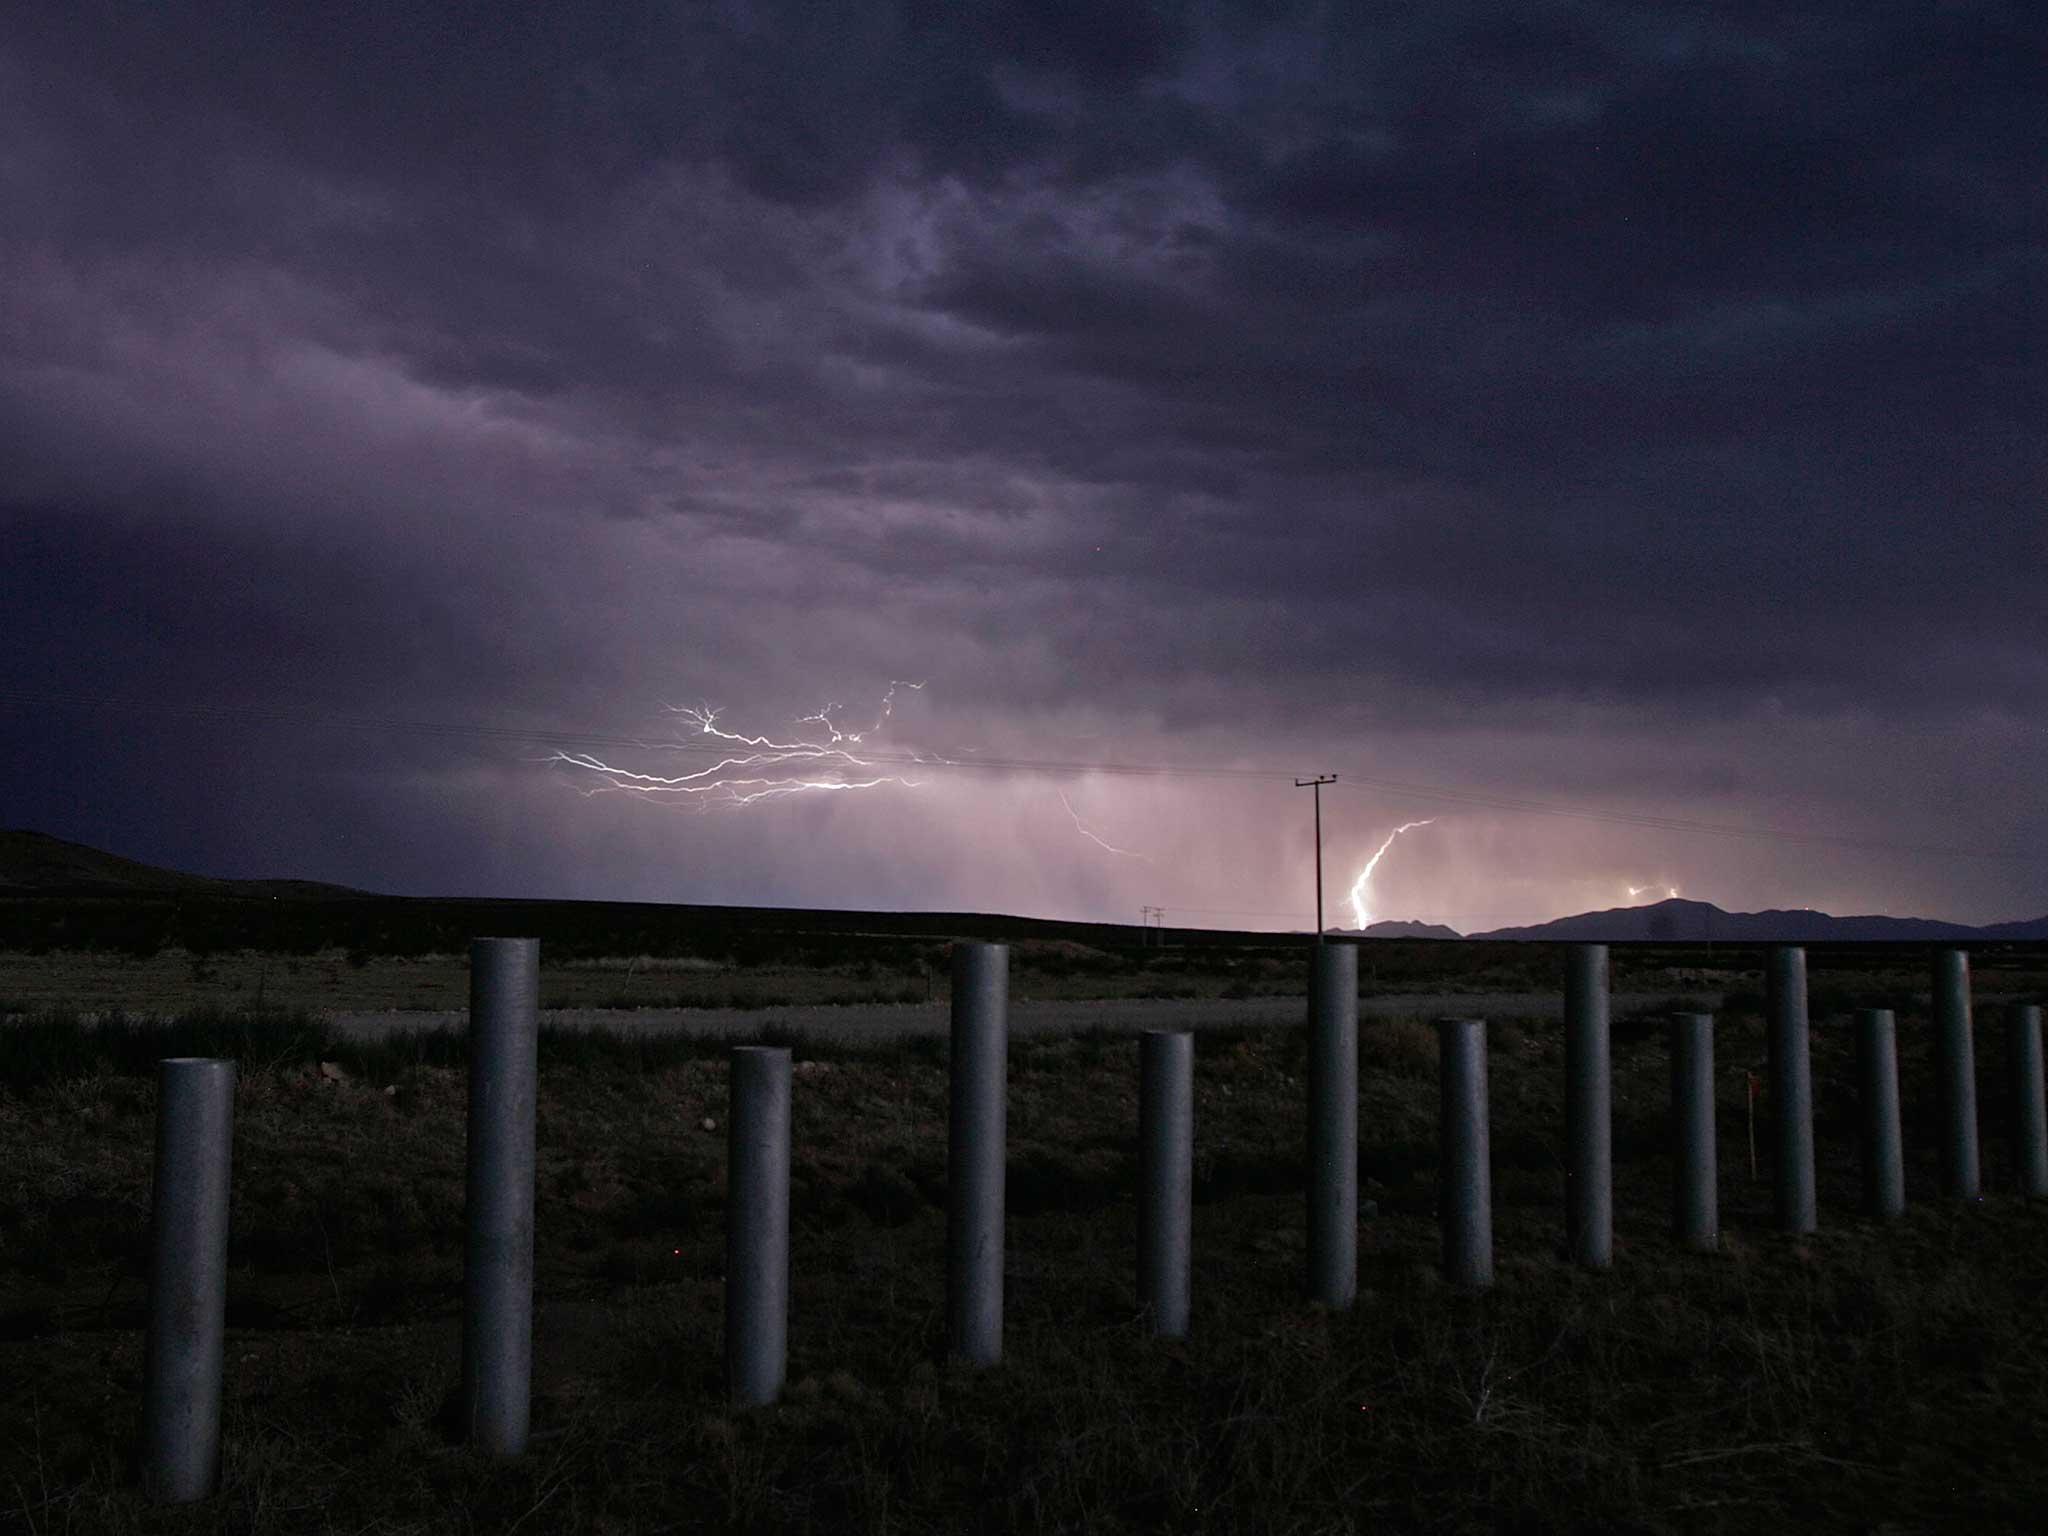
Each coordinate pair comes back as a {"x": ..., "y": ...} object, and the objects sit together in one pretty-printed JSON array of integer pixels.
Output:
[
  {"x": 1360, "y": 912},
  {"x": 760, "y": 768}
]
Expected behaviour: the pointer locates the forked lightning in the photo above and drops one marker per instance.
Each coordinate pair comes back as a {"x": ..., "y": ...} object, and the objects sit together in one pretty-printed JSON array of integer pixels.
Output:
[{"x": 738, "y": 779}]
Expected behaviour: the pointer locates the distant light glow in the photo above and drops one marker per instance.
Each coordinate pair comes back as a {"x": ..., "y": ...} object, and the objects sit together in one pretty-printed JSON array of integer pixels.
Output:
[
  {"x": 1636, "y": 890},
  {"x": 1361, "y": 913}
]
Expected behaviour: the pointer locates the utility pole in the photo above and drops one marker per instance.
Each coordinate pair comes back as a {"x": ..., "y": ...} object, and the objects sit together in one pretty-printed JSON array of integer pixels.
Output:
[
  {"x": 1317, "y": 784},
  {"x": 1150, "y": 914}
]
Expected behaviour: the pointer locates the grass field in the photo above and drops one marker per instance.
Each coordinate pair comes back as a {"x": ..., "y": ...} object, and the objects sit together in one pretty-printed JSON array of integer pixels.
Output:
[
  {"x": 713, "y": 970},
  {"x": 175, "y": 979},
  {"x": 1864, "y": 1379}
]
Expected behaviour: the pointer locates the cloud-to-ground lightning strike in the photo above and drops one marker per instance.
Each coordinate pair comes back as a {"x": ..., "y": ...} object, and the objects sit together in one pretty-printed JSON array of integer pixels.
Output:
[
  {"x": 1129, "y": 853},
  {"x": 736, "y": 780},
  {"x": 1360, "y": 912}
]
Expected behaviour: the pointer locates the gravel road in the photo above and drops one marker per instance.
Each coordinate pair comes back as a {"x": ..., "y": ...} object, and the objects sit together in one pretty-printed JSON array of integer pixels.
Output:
[{"x": 890, "y": 1021}]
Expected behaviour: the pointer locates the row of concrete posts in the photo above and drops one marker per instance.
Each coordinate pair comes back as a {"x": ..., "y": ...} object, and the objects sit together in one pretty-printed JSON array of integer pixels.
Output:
[
  {"x": 1589, "y": 1173},
  {"x": 1881, "y": 1148},
  {"x": 195, "y": 1111}
]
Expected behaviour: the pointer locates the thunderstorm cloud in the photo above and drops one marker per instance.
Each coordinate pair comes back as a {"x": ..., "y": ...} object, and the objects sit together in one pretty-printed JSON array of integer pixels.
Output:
[{"x": 1611, "y": 408}]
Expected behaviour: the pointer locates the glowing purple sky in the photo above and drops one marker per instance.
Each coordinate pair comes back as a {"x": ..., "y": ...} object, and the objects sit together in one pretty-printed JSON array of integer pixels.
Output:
[{"x": 1611, "y": 408}]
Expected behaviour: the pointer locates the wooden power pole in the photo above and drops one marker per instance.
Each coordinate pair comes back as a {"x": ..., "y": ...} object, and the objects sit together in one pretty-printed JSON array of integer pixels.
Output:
[{"x": 1317, "y": 784}]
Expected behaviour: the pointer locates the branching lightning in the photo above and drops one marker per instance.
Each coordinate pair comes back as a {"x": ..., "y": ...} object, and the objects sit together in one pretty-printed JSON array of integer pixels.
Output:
[
  {"x": 1129, "y": 853},
  {"x": 1360, "y": 912},
  {"x": 824, "y": 716},
  {"x": 738, "y": 779}
]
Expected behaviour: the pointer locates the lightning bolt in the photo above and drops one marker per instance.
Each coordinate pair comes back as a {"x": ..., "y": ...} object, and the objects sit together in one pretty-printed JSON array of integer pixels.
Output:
[
  {"x": 1129, "y": 853},
  {"x": 1636, "y": 890},
  {"x": 739, "y": 778},
  {"x": 824, "y": 716},
  {"x": 1359, "y": 910}
]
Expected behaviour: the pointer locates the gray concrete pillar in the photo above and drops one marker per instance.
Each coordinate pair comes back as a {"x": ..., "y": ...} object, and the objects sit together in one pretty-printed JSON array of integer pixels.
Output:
[
  {"x": 1166, "y": 1179},
  {"x": 1465, "y": 1172},
  {"x": 1695, "y": 1185},
  {"x": 1791, "y": 1090},
  {"x": 188, "y": 1285},
  {"x": 1588, "y": 1110},
  {"x": 2029, "y": 1114},
  {"x": 497, "y": 1274},
  {"x": 1877, "y": 1090},
  {"x": 1333, "y": 1125},
  {"x": 1957, "y": 1064},
  {"x": 757, "y": 1224},
  {"x": 975, "y": 1138}
]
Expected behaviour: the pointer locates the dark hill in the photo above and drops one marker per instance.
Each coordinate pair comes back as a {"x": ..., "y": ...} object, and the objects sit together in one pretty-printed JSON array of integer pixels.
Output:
[
  {"x": 1406, "y": 930},
  {"x": 36, "y": 864},
  {"x": 2032, "y": 928}
]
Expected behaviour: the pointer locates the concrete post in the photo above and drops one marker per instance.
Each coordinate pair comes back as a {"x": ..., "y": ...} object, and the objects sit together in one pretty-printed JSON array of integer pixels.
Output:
[
  {"x": 1695, "y": 1185},
  {"x": 757, "y": 1224},
  {"x": 1791, "y": 1090},
  {"x": 1333, "y": 1125},
  {"x": 497, "y": 1273},
  {"x": 1958, "y": 1067},
  {"x": 1465, "y": 1195},
  {"x": 1877, "y": 1088},
  {"x": 2029, "y": 1113},
  {"x": 1166, "y": 1179},
  {"x": 188, "y": 1268},
  {"x": 1588, "y": 1110},
  {"x": 975, "y": 1138}
]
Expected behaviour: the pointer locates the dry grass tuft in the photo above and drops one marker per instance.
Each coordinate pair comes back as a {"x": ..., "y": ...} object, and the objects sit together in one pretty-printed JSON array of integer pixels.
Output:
[{"x": 1403, "y": 1046}]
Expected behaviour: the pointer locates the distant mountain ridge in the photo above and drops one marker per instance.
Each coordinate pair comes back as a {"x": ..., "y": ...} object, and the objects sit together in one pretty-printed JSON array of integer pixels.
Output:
[
  {"x": 1680, "y": 921},
  {"x": 36, "y": 864},
  {"x": 1405, "y": 930}
]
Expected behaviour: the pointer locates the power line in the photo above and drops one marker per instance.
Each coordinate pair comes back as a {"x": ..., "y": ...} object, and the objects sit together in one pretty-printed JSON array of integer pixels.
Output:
[
  {"x": 1239, "y": 912},
  {"x": 980, "y": 762}
]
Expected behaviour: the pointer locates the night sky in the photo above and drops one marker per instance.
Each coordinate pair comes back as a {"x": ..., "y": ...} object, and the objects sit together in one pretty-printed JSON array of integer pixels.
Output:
[{"x": 1616, "y": 409}]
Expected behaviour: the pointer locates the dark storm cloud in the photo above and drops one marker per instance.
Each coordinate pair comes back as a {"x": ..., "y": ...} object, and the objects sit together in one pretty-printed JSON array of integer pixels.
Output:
[{"x": 1462, "y": 363}]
